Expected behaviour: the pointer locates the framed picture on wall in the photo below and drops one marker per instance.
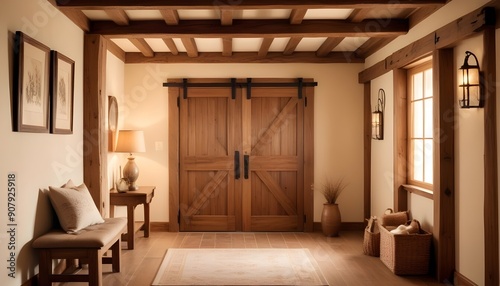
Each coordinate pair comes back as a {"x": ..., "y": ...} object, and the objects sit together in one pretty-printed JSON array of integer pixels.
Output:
[
  {"x": 62, "y": 93},
  {"x": 31, "y": 85}
]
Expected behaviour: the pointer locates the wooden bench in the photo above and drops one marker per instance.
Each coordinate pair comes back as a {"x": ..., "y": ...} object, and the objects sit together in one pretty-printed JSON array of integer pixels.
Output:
[{"x": 88, "y": 245}]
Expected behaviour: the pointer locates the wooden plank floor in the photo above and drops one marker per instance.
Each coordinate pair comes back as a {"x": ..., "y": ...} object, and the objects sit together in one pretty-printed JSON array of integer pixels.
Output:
[{"x": 341, "y": 259}]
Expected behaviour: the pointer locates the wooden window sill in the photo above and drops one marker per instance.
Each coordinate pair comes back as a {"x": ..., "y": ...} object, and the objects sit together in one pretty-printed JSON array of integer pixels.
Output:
[{"x": 419, "y": 191}]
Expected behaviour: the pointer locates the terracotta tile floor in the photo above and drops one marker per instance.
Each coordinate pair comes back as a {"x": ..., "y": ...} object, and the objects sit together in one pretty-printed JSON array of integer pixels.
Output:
[{"x": 340, "y": 258}]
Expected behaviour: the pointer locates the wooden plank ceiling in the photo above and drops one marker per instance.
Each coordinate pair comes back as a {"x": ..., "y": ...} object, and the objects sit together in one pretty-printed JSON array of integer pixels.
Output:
[{"x": 244, "y": 31}]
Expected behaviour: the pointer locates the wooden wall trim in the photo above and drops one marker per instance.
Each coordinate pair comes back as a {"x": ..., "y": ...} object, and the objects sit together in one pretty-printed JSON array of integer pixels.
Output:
[
  {"x": 173, "y": 158},
  {"x": 461, "y": 280},
  {"x": 491, "y": 236},
  {"x": 95, "y": 166},
  {"x": 159, "y": 226},
  {"x": 444, "y": 164},
  {"x": 367, "y": 142},
  {"x": 453, "y": 32},
  {"x": 309, "y": 159},
  {"x": 400, "y": 142}
]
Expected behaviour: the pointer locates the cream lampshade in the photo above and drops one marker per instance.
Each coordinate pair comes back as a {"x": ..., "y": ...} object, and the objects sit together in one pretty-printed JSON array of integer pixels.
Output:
[{"x": 131, "y": 141}]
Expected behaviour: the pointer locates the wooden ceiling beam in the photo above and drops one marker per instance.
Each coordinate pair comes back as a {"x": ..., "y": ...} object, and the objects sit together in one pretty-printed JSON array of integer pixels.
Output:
[
  {"x": 421, "y": 14},
  {"x": 76, "y": 16},
  {"x": 118, "y": 16},
  {"x": 171, "y": 45},
  {"x": 242, "y": 5},
  {"x": 372, "y": 45},
  {"x": 115, "y": 50},
  {"x": 328, "y": 46},
  {"x": 170, "y": 16},
  {"x": 359, "y": 15},
  {"x": 143, "y": 47},
  {"x": 297, "y": 16},
  {"x": 191, "y": 48},
  {"x": 227, "y": 47},
  {"x": 79, "y": 18},
  {"x": 292, "y": 45},
  {"x": 250, "y": 29},
  {"x": 245, "y": 57},
  {"x": 405, "y": 13},
  {"x": 264, "y": 47},
  {"x": 226, "y": 17}
]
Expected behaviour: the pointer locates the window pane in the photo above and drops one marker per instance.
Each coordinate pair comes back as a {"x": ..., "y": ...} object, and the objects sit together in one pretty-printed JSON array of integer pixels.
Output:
[
  {"x": 418, "y": 164},
  {"x": 428, "y": 162},
  {"x": 418, "y": 120},
  {"x": 421, "y": 126},
  {"x": 428, "y": 124},
  {"x": 428, "y": 83},
  {"x": 417, "y": 86}
]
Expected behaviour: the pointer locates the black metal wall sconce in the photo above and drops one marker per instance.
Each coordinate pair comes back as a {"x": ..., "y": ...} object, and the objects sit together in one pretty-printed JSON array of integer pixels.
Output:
[
  {"x": 472, "y": 91},
  {"x": 378, "y": 117}
]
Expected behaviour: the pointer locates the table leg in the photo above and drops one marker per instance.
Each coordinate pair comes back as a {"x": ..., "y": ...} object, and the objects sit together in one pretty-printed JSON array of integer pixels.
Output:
[
  {"x": 146, "y": 220},
  {"x": 130, "y": 226}
]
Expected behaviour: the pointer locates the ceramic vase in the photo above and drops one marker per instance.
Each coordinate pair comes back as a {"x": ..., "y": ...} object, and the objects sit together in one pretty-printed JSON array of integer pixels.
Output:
[{"x": 330, "y": 219}]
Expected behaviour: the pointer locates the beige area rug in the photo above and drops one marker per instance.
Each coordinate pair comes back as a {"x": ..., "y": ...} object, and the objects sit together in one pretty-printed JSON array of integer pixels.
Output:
[{"x": 245, "y": 266}]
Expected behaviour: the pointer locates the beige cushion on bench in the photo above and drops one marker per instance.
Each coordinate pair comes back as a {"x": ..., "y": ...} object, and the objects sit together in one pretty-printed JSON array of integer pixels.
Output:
[
  {"x": 94, "y": 236},
  {"x": 74, "y": 206}
]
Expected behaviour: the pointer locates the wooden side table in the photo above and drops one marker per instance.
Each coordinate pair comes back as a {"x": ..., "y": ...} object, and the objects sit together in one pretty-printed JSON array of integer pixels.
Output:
[{"x": 144, "y": 195}]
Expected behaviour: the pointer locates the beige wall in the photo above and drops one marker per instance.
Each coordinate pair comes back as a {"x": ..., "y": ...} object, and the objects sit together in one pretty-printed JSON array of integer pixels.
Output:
[
  {"x": 469, "y": 151},
  {"x": 338, "y": 131},
  {"x": 469, "y": 176},
  {"x": 38, "y": 159},
  {"x": 382, "y": 156},
  {"x": 115, "y": 76}
]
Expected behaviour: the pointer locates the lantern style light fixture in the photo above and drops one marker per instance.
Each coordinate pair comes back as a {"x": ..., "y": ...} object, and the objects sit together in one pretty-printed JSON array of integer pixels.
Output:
[
  {"x": 378, "y": 117},
  {"x": 472, "y": 94}
]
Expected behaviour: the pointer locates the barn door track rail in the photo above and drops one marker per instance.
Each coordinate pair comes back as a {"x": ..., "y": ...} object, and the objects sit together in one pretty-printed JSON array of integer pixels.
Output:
[{"x": 234, "y": 84}]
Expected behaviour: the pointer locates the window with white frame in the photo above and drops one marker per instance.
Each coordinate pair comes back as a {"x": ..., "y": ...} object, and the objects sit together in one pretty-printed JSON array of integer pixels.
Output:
[{"x": 421, "y": 128}]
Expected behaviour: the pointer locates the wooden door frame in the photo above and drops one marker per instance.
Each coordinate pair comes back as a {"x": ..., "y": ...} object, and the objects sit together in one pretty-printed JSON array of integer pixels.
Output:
[
  {"x": 174, "y": 94},
  {"x": 94, "y": 106}
]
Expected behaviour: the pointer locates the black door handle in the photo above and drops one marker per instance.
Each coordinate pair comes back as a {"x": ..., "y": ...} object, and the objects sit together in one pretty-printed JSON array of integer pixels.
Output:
[
  {"x": 236, "y": 165},
  {"x": 246, "y": 160}
]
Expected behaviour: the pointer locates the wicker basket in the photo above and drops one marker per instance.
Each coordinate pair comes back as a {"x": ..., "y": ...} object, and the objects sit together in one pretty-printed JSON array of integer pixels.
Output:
[
  {"x": 405, "y": 254},
  {"x": 371, "y": 243},
  {"x": 391, "y": 218}
]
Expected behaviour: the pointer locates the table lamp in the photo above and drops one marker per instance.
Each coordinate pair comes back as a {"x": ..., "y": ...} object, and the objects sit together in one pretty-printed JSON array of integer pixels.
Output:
[{"x": 131, "y": 141}]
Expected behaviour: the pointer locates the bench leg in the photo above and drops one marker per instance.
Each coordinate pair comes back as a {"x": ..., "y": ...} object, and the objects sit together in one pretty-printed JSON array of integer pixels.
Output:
[
  {"x": 95, "y": 267},
  {"x": 116, "y": 256},
  {"x": 45, "y": 267}
]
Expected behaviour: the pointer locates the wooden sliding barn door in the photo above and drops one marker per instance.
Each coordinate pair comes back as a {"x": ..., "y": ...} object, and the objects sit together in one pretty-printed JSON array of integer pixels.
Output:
[
  {"x": 209, "y": 136},
  {"x": 273, "y": 160},
  {"x": 241, "y": 159}
]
